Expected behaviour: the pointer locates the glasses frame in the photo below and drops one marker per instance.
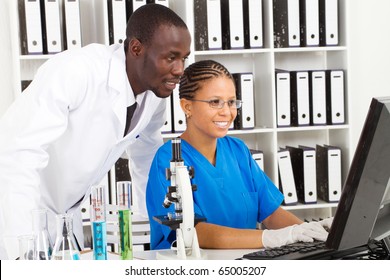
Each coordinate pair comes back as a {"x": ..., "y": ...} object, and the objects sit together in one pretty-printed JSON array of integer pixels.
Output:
[{"x": 236, "y": 105}]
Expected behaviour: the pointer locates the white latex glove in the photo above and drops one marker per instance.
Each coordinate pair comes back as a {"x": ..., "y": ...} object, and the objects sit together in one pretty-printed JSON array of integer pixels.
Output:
[
  {"x": 305, "y": 232},
  {"x": 326, "y": 223}
]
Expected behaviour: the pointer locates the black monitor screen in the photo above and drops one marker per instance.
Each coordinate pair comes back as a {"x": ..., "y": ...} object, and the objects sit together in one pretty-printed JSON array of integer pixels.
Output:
[{"x": 363, "y": 211}]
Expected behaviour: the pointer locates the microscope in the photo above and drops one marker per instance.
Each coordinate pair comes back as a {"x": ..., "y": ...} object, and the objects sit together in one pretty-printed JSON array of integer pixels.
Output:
[{"x": 183, "y": 220}]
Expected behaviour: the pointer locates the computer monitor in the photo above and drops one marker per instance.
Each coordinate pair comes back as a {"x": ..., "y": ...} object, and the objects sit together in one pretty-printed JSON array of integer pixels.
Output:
[{"x": 363, "y": 212}]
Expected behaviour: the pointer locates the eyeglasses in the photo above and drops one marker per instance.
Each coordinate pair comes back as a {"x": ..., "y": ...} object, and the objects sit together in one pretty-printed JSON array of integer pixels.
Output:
[{"x": 219, "y": 103}]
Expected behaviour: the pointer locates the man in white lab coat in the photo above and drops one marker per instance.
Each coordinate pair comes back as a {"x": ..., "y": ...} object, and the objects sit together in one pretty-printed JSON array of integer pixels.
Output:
[{"x": 66, "y": 130}]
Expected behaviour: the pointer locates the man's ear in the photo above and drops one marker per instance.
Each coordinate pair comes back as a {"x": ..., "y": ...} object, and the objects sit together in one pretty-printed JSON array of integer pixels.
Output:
[{"x": 135, "y": 47}]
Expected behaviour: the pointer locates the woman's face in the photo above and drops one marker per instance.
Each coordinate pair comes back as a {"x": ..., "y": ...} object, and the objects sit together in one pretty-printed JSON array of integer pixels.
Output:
[{"x": 206, "y": 121}]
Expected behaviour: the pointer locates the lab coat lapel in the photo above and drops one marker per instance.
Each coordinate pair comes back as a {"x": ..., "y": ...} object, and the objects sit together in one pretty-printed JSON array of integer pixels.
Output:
[{"x": 122, "y": 94}]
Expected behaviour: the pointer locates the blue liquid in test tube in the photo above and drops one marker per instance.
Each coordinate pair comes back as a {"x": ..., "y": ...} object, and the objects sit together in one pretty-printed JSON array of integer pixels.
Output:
[
  {"x": 99, "y": 230},
  {"x": 98, "y": 223}
]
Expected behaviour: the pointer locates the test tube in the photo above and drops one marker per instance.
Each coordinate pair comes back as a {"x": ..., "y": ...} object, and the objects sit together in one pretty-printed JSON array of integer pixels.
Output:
[
  {"x": 123, "y": 191},
  {"x": 98, "y": 222}
]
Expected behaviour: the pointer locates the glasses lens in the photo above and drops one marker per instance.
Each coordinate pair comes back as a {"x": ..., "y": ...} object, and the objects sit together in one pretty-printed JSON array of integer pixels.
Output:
[{"x": 216, "y": 103}]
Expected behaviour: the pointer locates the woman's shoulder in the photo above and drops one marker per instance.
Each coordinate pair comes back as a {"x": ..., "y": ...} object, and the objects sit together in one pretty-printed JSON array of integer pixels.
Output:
[
  {"x": 235, "y": 145},
  {"x": 233, "y": 142}
]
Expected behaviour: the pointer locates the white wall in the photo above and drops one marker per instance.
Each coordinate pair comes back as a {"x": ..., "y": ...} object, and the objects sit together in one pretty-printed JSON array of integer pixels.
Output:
[
  {"x": 369, "y": 60},
  {"x": 6, "y": 93}
]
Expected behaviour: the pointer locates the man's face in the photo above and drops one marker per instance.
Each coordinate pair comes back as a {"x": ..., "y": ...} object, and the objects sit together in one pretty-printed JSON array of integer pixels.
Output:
[{"x": 162, "y": 62}]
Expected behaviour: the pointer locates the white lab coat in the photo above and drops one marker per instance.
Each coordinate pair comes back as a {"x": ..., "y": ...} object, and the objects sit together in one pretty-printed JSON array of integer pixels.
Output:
[{"x": 65, "y": 132}]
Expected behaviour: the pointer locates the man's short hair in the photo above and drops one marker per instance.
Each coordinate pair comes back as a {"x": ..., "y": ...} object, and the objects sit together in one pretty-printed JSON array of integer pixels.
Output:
[{"x": 147, "y": 19}]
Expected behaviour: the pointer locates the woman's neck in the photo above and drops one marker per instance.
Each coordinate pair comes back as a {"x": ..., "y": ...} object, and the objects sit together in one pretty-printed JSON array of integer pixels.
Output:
[{"x": 206, "y": 146}]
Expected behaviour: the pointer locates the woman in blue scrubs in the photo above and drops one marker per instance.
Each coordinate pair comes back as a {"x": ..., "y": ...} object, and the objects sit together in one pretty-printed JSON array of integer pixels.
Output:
[{"x": 233, "y": 193}]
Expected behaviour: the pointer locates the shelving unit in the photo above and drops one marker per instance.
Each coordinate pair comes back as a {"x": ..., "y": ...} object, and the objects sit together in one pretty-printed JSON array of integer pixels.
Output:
[{"x": 266, "y": 136}]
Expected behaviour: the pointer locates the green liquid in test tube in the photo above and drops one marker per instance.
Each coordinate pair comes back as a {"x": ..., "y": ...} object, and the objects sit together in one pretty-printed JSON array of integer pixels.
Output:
[{"x": 124, "y": 202}]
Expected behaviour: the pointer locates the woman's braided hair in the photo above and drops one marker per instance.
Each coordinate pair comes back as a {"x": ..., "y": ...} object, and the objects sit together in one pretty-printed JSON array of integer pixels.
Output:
[{"x": 198, "y": 72}]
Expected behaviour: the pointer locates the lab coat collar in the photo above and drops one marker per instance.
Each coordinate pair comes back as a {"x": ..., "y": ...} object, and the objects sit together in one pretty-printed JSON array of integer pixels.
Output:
[{"x": 117, "y": 76}]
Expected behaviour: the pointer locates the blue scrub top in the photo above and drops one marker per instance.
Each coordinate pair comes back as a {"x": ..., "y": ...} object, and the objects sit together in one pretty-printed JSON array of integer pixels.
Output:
[{"x": 234, "y": 193}]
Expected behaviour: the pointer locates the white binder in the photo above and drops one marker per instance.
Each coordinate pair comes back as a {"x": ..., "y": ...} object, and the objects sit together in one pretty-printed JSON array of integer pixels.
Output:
[
  {"x": 179, "y": 120},
  {"x": 117, "y": 21},
  {"x": 317, "y": 81},
  {"x": 328, "y": 22},
  {"x": 167, "y": 127},
  {"x": 208, "y": 28},
  {"x": 253, "y": 23},
  {"x": 258, "y": 156},
  {"x": 232, "y": 24},
  {"x": 335, "y": 96},
  {"x": 214, "y": 28},
  {"x": 161, "y": 2},
  {"x": 244, "y": 91},
  {"x": 309, "y": 23},
  {"x": 31, "y": 27},
  {"x": 309, "y": 174},
  {"x": 283, "y": 98},
  {"x": 293, "y": 23},
  {"x": 72, "y": 24},
  {"x": 286, "y": 177},
  {"x": 138, "y": 3},
  {"x": 334, "y": 173},
  {"x": 300, "y": 105},
  {"x": 52, "y": 31}
]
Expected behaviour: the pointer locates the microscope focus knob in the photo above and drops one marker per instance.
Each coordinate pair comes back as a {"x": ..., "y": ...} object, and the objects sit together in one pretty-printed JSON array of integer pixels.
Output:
[{"x": 191, "y": 172}]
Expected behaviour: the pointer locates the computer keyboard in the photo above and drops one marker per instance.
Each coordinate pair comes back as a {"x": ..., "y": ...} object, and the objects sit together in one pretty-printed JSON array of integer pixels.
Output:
[{"x": 299, "y": 250}]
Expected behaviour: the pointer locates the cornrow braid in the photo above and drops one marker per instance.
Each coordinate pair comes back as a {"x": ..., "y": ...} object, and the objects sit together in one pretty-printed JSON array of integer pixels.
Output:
[{"x": 199, "y": 72}]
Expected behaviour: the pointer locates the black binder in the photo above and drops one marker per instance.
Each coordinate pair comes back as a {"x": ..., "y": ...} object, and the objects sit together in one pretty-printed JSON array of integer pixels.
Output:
[
  {"x": 304, "y": 176},
  {"x": 328, "y": 166},
  {"x": 286, "y": 23},
  {"x": 205, "y": 38},
  {"x": 300, "y": 101},
  {"x": 309, "y": 23},
  {"x": 231, "y": 24},
  {"x": 245, "y": 118},
  {"x": 253, "y": 23}
]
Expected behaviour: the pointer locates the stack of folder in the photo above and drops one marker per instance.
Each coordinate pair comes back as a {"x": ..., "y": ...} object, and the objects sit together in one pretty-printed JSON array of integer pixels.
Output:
[
  {"x": 305, "y": 23},
  {"x": 309, "y": 97},
  {"x": 307, "y": 174},
  {"x": 46, "y": 27},
  {"x": 228, "y": 24}
]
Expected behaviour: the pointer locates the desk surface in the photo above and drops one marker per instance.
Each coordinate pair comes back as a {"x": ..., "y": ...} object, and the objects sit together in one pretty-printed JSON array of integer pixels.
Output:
[
  {"x": 221, "y": 254},
  {"x": 230, "y": 254}
]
